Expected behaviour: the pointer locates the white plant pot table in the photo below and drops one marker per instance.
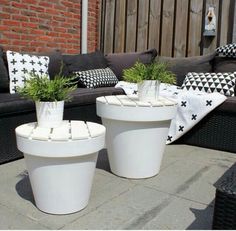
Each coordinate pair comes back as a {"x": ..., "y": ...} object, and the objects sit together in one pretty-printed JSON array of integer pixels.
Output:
[
  {"x": 61, "y": 163},
  {"x": 136, "y": 133}
]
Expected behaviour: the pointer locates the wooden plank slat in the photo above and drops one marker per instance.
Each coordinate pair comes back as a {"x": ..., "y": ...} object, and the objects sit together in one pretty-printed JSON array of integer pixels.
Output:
[
  {"x": 224, "y": 25},
  {"x": 101, "y": 99},
  {"x": 79, "y": 130},
  {"x": 154, "y": 24},
  {"x": 120, "y": 26},
  {"x": 101, "y": 17},
  {"x": 109, "y": 26},
  {"x": 62, "y": 132},
  {"x": 234, "y": 25},
  {"x": 157, "y": 103},
  {"x": 40, "y": 133},
  {"x": 125, "y": 100},
  {"x": 142, "y": 33},
  {"x": 112, "y": 100},
  {"x": 166, "y": 101},
  {"x": 209, "y": 43},
  {"x": 195, "y": 27},
  {"x": 181, "y": 25},
  {"x": 143, "y": 104},
  {"x": 131, "y": 25},
  {"x": 95, "y": 129},
  {"x": 167, "y": 28},
  {"x": 25, "y": 130}
]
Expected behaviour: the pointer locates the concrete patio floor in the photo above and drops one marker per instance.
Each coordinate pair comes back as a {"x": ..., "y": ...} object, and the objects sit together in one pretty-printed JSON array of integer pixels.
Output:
[{"x": 181, "y": 196}]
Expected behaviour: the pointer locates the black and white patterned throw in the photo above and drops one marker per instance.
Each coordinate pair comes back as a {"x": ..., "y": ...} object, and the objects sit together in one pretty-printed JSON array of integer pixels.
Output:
[
  {"x": 228, "y": 50},
  {"x": 97, "y": 78},
  {"x": 223, "y": 83},
  {"x": 192, "y": 106},
  {"x": 20, "y": 65}
]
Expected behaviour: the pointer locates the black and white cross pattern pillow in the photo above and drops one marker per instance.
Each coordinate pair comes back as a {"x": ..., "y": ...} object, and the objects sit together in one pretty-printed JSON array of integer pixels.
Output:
[
  {"x": 95, "y": 78},
  {"x": 20, "y": 65},
  {"x": 228, "y": 50},
  {"x": 223, "y": 83}
]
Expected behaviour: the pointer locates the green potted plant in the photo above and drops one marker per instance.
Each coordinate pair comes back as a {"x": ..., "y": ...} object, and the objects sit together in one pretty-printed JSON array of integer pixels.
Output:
[
  {"x": 49, "y": 96},
  {"x": 148, "y": 77}
]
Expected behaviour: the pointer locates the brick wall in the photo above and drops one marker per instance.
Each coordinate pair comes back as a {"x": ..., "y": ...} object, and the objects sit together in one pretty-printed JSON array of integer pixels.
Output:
[{"x": 42, "y": 25}]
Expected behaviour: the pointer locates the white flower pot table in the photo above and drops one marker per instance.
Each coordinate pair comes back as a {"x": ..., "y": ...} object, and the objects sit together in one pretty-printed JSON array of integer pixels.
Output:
[
  {"x": 61, "y": 163},
  {"x": 136, "y": 133}
]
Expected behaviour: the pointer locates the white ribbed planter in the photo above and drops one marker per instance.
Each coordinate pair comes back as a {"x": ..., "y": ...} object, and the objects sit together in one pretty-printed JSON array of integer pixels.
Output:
[
  {"x": 148, "y": 90},
  {"x": 49, "y": 114}
]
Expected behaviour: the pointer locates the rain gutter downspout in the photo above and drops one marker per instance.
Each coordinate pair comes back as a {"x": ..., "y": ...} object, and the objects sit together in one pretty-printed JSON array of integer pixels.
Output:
[{"x": 84, "y": 26}]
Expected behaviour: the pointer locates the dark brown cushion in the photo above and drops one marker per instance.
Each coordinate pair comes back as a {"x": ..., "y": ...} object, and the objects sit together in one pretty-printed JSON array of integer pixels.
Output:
[
  {"x": 181, "y": 66},
  {"x": 4, "y": 78},
  {"x": 120, "y": 61},
  {"x": 224, "y": 64}
]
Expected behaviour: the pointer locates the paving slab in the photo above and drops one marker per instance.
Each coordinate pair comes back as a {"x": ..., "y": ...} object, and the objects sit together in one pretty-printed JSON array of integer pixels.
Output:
[
  {"x": 177, "y": 214},
  {"x": 191, "y": 180},
  {"x": 120, "y": 210},
  {"x": 9, "y": 219}
]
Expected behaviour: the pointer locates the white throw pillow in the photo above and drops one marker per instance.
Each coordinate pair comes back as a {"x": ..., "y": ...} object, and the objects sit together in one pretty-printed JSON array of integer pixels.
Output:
[
  {"x": 20, "y": 65},
  {"x": 223, "y": 83}
]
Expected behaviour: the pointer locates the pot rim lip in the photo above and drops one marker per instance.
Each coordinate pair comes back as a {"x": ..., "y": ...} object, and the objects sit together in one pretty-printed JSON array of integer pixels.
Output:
[{"x": 56, "y": 101}]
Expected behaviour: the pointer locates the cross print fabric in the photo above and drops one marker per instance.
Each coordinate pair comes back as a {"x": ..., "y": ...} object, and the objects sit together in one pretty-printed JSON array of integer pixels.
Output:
[
  {"x": 223, "y": 83},
  {"x": 228, "y": 50},
  {"x": 103, "y": 77},
  {"x": 20, "y": 65},
  {"x": 192, "y": 106}
]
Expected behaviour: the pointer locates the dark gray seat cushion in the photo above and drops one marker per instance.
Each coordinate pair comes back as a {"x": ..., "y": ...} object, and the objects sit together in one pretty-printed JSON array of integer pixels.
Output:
[{"x": 14, "y": 104}]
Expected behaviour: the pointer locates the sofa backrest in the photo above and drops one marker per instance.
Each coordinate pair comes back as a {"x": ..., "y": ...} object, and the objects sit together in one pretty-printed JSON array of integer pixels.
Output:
[
  {"x": 120, "y": 61},
  {"x": 224, "y": 64},
  {"x": 4, "y": 80},
  {"x": 181, "y": 66}
]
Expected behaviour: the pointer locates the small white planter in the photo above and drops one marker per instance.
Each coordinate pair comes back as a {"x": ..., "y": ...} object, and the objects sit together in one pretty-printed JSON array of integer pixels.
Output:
[
  {"x": 49, "y": 114},
  {"x": 148, "y": 90}
]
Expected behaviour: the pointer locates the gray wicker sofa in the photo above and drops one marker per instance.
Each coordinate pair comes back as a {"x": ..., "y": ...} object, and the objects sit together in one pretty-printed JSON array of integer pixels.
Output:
[{"x": 15, "y": 110}]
